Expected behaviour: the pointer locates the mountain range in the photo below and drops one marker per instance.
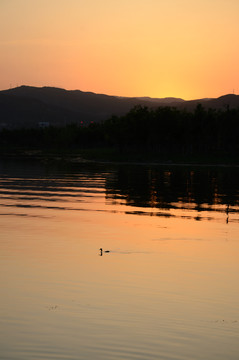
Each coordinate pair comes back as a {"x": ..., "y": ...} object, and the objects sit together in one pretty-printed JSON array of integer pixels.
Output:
[{"x": 27, "y": 106}]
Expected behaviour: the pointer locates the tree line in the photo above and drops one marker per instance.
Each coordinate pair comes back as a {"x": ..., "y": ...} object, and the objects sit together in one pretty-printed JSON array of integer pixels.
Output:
[{"x": 162, "y": 133}]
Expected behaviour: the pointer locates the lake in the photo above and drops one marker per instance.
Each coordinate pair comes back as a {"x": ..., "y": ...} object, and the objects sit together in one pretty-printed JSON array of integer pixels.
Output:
[{"x": 168, "y": 288}]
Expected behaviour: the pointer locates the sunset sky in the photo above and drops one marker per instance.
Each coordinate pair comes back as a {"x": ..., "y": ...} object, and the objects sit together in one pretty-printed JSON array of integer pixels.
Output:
[{"x": 157, "y": 48}]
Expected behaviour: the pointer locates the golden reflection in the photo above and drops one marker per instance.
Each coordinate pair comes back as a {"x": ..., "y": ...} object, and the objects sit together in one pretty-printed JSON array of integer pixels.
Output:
[{"x": 164, "y": 273}]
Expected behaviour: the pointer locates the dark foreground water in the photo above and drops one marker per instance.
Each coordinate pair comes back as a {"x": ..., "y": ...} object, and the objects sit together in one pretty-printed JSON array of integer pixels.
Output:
[{"x": 168, "y": 289}]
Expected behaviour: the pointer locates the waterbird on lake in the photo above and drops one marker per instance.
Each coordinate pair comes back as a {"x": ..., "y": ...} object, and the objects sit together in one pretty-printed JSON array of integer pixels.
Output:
[{"x": 101, "y": 251}]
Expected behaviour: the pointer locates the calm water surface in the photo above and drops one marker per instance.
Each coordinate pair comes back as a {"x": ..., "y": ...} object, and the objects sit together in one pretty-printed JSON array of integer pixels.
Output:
[{"x": 168, "y": 289}]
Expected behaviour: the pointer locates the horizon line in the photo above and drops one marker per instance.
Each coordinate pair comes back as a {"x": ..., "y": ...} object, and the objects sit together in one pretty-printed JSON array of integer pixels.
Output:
[{"x": 116, "y": 96}]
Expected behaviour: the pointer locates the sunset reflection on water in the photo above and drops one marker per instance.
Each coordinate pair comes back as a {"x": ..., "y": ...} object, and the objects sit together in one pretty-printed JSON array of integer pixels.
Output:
[{"x": 168, "y": 287}]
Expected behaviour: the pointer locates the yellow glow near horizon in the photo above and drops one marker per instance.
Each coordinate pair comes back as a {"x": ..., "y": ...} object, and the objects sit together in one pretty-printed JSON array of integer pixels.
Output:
[{"x": 185, "y": 48}]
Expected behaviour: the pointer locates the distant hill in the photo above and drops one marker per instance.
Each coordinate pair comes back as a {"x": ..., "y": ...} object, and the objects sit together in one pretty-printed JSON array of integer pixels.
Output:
[
  {"x": 18, "y": 111},
  {"x": 27, "y": 106},
  {"x": 222, "y": 102},
  {"x": 162, "y": 101}
]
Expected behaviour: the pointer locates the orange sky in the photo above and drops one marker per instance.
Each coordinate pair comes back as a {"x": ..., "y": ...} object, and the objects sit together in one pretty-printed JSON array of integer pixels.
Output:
[{"x": 157, "y": 48}]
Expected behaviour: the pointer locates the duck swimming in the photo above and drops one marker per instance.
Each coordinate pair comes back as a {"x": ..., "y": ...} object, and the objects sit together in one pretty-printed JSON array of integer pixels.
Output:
[{"x": 101, "y": 251}]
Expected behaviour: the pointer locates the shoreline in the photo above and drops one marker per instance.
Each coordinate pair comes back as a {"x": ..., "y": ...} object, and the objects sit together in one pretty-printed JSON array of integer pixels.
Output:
[{"x": 80, "y": 159}]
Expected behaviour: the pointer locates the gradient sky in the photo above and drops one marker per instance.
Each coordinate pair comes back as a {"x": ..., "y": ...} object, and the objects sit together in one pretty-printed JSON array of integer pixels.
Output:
[{"x": 157, "y": 48}]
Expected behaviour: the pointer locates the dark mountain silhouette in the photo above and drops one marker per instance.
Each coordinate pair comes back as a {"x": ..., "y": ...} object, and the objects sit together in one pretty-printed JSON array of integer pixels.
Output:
[
  {"x": 163, "y": 101},
  {"x": 230, "y": 100},
  {"x": 27, "y": 106},
  {"x": 222, "y": 102},
  {"x": 18, "y": 111}
]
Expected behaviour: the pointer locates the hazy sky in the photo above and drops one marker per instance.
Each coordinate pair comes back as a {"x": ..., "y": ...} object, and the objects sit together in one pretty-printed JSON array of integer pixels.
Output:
[{"x": 158, "y": 48}]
